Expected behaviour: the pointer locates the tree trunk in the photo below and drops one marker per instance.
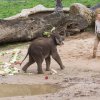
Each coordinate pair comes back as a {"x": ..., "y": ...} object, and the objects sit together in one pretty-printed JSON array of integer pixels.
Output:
[
  {"x": 31, "y": 27},
  {"x": 59, "y": 6}
]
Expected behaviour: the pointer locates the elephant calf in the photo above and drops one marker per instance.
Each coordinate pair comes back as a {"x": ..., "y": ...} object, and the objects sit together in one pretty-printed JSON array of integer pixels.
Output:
[{"x": 42, "y": 48}]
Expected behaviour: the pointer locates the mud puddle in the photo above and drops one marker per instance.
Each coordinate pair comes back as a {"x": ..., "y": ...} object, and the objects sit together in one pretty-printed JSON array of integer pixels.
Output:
[{"x": 10, "y": 90}]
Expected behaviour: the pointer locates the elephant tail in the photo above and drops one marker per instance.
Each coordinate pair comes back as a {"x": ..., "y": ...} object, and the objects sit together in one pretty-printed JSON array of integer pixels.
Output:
[{"x": 24, "y": 59}]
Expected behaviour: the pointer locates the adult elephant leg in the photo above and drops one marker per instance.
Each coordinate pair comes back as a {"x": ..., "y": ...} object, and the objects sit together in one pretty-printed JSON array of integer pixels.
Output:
[
  {"x": 48, "y": 61},
  {"x": 56, "y": 57}
]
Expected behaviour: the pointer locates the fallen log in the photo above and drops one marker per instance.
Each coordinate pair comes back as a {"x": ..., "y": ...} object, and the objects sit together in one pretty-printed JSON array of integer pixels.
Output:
[
  {"x": 35, "y": 11},
  {"x": 32, "y": 25}
]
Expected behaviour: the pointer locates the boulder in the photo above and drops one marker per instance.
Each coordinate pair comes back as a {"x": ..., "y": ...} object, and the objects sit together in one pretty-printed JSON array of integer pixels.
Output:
[{"x": 80, "y": 9}]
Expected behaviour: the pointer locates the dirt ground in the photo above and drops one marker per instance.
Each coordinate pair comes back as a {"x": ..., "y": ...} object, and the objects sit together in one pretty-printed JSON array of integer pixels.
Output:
[{"x": 80, "y": 80}]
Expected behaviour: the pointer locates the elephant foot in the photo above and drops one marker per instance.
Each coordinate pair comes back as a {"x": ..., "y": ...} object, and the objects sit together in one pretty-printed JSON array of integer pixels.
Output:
[
  {"x": 94, "y": 56},
  {"x": 47, "y": 69},
  {"x": 40, "y": 72},
  {"x": 62, "y": 67},
  {"x": 23, "y": 70}
]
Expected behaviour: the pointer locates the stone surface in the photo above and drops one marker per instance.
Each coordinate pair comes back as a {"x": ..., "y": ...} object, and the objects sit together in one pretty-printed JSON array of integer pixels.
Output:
[{"x": 78, "y": 8}]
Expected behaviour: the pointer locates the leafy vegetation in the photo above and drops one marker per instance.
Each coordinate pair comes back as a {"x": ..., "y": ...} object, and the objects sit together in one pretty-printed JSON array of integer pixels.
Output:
[{"x": 12, "y": 7}]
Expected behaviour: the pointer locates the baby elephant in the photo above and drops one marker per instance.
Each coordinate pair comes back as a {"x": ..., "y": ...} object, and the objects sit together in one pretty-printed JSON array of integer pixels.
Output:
[{"x": 42, "y": 48}]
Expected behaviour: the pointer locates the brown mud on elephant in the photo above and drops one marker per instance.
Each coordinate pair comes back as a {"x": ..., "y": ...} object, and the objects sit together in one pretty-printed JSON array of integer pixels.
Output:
[{"x": 43, "y": 48}]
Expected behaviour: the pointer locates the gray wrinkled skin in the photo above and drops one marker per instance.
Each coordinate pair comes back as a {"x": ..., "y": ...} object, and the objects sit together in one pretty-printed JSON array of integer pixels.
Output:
[{"x": 41, "y": 49}]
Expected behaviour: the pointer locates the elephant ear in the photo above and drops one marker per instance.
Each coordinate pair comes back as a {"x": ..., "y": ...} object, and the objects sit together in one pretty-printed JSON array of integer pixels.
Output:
[{"x": 58, "y": 42}]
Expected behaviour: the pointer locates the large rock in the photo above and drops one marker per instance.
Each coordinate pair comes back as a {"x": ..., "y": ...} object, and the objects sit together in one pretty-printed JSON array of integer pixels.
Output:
[{"x": 80, "y": 9}]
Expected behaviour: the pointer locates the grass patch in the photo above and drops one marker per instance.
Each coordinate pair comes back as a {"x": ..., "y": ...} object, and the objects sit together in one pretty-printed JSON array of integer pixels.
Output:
[{"x": 12, "y": 7}]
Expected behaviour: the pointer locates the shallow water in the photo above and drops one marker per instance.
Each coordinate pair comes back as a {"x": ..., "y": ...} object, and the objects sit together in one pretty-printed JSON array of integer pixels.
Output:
[{"x": 9, "y": 90}]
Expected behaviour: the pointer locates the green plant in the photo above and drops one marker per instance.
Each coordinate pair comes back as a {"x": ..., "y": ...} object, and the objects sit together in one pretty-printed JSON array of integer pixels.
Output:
[{"x": 12, "y": 7}]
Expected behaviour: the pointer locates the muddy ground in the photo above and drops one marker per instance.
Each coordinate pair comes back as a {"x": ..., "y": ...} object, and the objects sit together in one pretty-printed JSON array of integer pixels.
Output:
[{"x": 80, "y": 80}]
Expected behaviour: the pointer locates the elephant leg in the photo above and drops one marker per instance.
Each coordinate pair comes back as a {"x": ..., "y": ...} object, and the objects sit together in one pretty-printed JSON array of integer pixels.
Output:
[
  {"x": 39, "y": 64},
  {"x": 95, "y": 47},
  {"x": 48, "y": 61},
  {"x": 31, "y": 61},
  {"x": 56, "y": 57}
]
